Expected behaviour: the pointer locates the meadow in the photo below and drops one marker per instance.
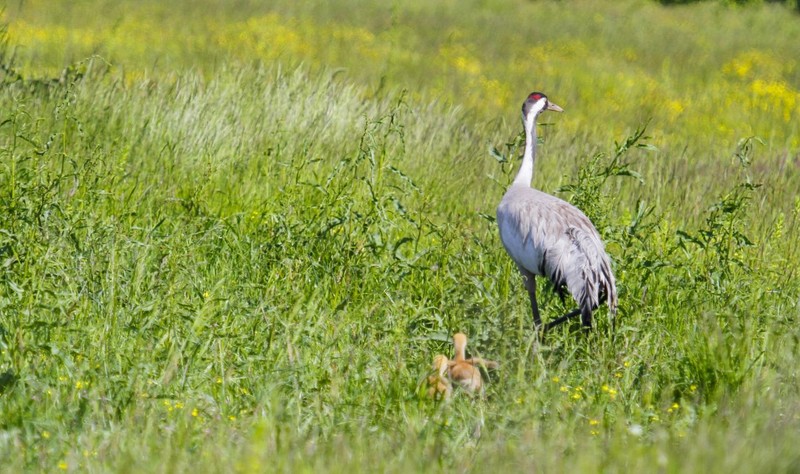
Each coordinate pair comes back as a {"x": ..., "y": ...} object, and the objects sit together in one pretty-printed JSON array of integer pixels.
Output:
[{"x": 234, "y": 235}]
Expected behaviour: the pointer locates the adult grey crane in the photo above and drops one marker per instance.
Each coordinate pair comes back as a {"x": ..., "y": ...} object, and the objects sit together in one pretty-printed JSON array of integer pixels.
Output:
[{"x": 547, "y": 236}]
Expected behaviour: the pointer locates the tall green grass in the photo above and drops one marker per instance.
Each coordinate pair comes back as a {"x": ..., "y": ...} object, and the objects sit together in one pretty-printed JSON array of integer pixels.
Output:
[{"x": 249, "y": 265}]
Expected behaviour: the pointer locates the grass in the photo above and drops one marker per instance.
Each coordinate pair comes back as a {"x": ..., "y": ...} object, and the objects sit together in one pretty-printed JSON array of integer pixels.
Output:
[{"x": 220, "y": 251}]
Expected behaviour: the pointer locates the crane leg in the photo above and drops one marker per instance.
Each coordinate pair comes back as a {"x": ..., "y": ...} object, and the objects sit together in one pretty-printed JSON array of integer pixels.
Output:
[
  {"x": 557, "y": 321},
  {"x": 586, "y": 317},
  {"x": 530, "y": 285}
]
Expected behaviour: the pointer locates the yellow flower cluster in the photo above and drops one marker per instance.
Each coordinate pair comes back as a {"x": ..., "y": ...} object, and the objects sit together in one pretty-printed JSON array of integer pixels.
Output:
[
  {"x": 271, "y": 37},
  {"x": 612, "y": 393},
  {"x": 578, "y": 393},
  {"x": 753, "y": 63},
  {"x": 268, "y": 37},
  {"x": 776, "y": 95},
  {"x": 458, "y": 58},
  {"x": 172, "y": 406},
  {"x": 594, "y": 424}
]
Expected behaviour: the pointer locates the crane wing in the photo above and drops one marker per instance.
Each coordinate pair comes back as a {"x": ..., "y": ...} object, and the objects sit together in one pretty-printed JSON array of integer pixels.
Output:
[{"x": 548, "y": 236}]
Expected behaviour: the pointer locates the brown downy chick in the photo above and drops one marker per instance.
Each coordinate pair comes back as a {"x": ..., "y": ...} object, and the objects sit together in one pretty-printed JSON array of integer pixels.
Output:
[
  {"x": 463, "y": 371},
  {"x": 439, "y": 387}
]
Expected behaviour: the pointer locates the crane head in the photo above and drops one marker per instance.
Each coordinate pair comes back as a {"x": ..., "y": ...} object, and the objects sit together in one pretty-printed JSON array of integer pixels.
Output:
[
  {"x": 537, "y": 103},
  {"x": 440, "y": 364}
]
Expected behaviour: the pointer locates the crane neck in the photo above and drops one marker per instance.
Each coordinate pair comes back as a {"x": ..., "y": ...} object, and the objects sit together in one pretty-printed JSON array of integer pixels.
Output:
[
  {"x": 525, "y": 173},
  {"x": 460, "y": 348}
]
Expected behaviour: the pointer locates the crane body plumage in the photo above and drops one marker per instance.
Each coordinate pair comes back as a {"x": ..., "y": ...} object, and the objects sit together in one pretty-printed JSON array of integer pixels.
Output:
[{"x": 547, "y": 236}]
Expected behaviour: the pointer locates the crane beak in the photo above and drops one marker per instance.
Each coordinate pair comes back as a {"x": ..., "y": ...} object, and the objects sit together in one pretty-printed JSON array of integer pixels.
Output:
[{"x": 554, "y": 107}]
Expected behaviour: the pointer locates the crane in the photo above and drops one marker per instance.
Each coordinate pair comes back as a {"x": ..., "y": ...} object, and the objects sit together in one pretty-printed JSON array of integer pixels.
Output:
[
  {"x": 439, "y": 386},
  {"x": 466, "y": 372},
  {"x": 547, "y": 236}
]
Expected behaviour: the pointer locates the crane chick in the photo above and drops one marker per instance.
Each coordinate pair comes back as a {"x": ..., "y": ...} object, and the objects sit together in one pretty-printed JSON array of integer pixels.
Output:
[
  {"x": 466, "y": 372},
  {"x": 439, "y": 387}
]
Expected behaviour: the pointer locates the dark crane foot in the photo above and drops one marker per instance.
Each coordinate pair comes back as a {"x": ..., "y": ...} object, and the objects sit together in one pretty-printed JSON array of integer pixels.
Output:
[{"x": 550, "y": 325}]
